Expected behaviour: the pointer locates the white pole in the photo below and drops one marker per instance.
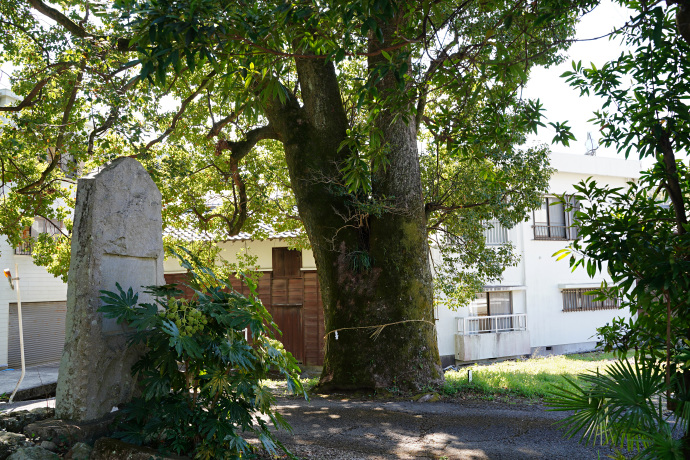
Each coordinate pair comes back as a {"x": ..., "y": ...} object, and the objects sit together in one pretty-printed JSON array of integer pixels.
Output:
[{"x": 21, "y": 332}]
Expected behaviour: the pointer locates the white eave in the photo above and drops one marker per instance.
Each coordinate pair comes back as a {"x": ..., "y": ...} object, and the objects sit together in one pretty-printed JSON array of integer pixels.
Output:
[
  {"x": 589, "y": 285},
  {"x": 498, "y": 288},
  {"x": 596, "y": 166},
  {"x": 190, "y": 234}
]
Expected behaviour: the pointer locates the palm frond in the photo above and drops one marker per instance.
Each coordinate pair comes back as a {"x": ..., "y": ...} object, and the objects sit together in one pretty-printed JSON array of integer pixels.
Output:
[{"x": 620, "y": 407}]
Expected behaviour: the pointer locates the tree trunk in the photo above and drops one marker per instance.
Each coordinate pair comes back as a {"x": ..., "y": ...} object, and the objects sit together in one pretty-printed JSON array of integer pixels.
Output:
[{"x": 374, "y": 271}]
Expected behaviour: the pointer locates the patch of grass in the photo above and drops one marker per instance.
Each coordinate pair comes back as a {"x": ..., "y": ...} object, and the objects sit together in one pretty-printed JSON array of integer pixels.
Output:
[
  {"x": 530, "y": 378},
  {"x": 279, "y": 387}
]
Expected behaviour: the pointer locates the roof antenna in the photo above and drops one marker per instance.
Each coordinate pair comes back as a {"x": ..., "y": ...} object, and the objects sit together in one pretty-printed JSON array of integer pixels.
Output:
[{"x": 589, "y": 145}]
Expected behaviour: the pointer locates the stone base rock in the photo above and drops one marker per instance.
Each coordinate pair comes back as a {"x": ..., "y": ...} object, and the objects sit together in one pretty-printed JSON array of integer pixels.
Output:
[
  {"x": 48, "y": 445},
  {"x": 17, "y": 420},
  {"x": 33, "y": 453},
  {"x": 429, "y": 397},
  {"x": 69, "y": 431},
  {"x": 10, "y": 442},
  {"x": 113, "y": 449},
  {"x": 79, "y": 451}
]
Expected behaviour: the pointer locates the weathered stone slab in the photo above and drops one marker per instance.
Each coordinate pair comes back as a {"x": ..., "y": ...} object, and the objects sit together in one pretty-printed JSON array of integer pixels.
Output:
[{"x": 117, "y": 238}]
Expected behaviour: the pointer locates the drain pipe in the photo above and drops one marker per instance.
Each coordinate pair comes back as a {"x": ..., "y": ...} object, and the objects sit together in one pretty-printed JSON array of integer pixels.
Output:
[{"x": 8, "y": 275}]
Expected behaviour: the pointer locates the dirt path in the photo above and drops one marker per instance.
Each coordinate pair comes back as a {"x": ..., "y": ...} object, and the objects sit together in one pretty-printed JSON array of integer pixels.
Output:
[{"x": 345, "y": 430}]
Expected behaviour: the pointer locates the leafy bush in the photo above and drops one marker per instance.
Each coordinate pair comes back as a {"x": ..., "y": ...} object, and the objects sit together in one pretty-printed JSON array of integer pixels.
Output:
[
  {"x": 624, "y": 407},
  {"x": 200, "y": 377}
]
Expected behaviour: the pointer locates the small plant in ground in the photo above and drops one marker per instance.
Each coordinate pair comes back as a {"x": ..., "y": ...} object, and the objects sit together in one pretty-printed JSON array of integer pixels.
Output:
[
  {"x": 200, "y": 378},
  {"x": 279, "y": 387}
]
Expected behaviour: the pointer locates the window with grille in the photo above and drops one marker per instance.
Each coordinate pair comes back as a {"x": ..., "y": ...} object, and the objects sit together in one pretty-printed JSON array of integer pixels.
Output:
[
  {"x": 552, "y": 221},
  {"x": 495, "y": 233},
  {"x": 579, "y": 300}
]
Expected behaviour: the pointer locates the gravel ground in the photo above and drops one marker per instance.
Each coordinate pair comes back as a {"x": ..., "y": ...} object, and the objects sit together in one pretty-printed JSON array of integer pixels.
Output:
[{"x": 339, "y": 428}]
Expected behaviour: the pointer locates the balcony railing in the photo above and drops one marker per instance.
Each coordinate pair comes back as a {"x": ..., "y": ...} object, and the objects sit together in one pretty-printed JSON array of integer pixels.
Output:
[
  {"x": 54, "y": 229},
  {"x": 491, "y": 324},
  {"x": 24, "y": 249},
  {"x": 497, "y": 234},
  {"x": 554, "y": 232}
]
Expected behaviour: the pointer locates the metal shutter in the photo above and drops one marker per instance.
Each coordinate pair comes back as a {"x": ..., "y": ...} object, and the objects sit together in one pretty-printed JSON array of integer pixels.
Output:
[{"x": 44, "y": 333}]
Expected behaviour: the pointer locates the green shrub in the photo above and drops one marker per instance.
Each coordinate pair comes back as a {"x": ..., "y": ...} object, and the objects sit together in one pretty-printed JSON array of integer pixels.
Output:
[
  {"x": 200, "y": 377},
  {"x": 624, "y": 407}
]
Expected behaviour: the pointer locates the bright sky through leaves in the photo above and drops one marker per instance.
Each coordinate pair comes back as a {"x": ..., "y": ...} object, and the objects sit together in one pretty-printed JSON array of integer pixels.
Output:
[{"x": 563, "y": 103}]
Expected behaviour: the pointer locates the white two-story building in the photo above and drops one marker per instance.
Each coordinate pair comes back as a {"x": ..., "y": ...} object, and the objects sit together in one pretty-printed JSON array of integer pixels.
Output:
[{"x": 540, "y": 305}]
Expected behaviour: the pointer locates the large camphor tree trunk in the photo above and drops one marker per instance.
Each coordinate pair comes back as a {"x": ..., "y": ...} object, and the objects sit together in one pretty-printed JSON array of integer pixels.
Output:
[{"x": 374, "y": 270}]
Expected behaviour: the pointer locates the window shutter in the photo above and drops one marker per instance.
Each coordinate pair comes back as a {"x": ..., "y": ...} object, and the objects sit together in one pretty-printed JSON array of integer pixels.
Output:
[{"x": 287, "y": 263}]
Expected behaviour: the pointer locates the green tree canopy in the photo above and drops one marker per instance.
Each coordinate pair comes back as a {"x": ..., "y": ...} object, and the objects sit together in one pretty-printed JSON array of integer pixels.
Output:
[{"x": 369, "y": 124}]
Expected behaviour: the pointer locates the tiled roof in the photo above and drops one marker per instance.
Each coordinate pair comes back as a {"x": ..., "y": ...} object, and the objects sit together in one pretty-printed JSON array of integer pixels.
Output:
[{"x": 190, "y": 234}]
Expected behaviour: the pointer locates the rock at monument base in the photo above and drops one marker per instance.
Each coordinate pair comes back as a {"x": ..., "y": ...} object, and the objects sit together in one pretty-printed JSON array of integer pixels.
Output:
[
  {"x": 117, "y": 238},
  {"x": 79, "y": 451},
  {"x": 69, "y": 431},
  {"x": 10, "y": 442},
  {"x": 33, "y": 453},
  {"x": 17, "y": 420},
  {"x": 113, "y": 449},
  {"x": 48, "y": 445}
]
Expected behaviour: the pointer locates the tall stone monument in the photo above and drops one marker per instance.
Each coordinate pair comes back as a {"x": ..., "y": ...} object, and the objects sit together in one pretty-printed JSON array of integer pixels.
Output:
[{"x": 117, "y": 238}]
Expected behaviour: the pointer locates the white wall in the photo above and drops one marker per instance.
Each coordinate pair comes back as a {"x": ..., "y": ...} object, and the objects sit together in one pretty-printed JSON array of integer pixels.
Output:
[
  {"x": 538, "y": 275},
  {"x": 262, "y": 249},
  {"x": 35, "y": 283}
]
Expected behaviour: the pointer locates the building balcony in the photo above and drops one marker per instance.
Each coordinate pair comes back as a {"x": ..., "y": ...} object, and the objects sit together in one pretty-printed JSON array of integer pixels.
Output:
[
  {"x": 487, "y": 337},
  {"x": 24, "y": 249}
]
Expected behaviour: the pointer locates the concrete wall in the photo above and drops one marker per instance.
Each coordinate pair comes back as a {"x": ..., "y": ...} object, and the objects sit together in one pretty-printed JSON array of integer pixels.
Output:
[
  {"x": 537, "y": 280},
  {"x": 477, "y": 347},
  {"x": 7, "y": 97}
]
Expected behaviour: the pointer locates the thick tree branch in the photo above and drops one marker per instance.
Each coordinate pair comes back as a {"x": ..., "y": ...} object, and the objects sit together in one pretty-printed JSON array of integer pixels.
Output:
[
  {"x": 178, "y": 115},
  {"x": 29, "y": 99},
  {"x": 672, "y": 182},
  {"x": 64, "y": 21},
  {"x": 121, "y": 43},
  {"x": 242, "y": 148},
  {"x": 220, "y": 124},
  {"x": 68, "y": 111},
  {"x": 239, "y": 216},
  {"x": 61, "y": 134}
]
